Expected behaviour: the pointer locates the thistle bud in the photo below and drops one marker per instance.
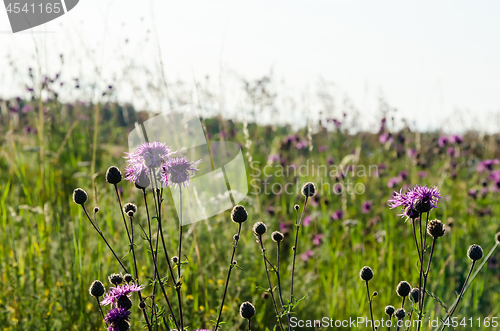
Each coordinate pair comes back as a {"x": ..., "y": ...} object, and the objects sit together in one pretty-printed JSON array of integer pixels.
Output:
[
  {"x": 142, "y": 305},
  {"x": 296, "y": 207},
  {"x": 497, "y": 237},
  {"x": 96, "y": 210},
  {"x": 124, "y": 302},
  {"x": 308, "y": 190},
  {"x": 277, "y": 236},
  {"x": 389, "y": 310},
  {"x": 247, "y": 310},
  {"x": 435, "y": 229},
  {"x": 79, "y": 196},
  {"x": 259, "y": 228},
  {"x": 239, "y": 214},
  {"x": 175, "y": 259},
  {"x": 128, "y": 278},
  {"x": 113, "y": 175},
  {"x": 366, "y": 273},
  {"x": 115, "y": 279},
  {"x": 130, "y": 207},
  {"x": 96, "y": 289},
  {"x": 400, "y": 313},
  {"x": 414, "y": 295},
  {"x": 403, "y": 289},
  {"x": 475, "y": 252}
]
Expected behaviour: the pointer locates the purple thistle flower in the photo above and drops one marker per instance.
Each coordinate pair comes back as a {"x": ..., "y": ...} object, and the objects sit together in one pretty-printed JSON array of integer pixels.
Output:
[
  {"x": 118, "y": 319},
  {"x": 425, "y": 198},
  {"x": 146, "y": 156},
  {"x": 473, "y": 193},
  {"x": 366, "y": 207},
  {"x": 116, "y": 292},
  {"x": 385, "y": 137},
  {"x": 422, "y": 174},
  {"x": 456, "y": 139},
  {"x": 393, "y": 182},
  {"x": 317, "y": 239},
  {"x": 403, "y": 174},
  {"x": 337, "y": 215},
  {"x": 442, "y": 141},
  {"x": 487, "y": 165},
  {"x": 406, "y": 202},
  {"x": 323, "y": 148},
  {"x": 178, "y": 170},
  {"x": 411, "y": 153},
  {"x": 307, "y": 220},
  {"x": 307, "y": 255}
]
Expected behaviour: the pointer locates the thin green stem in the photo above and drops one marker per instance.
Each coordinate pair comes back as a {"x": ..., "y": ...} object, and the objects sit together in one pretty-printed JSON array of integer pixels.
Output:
[{"x": 370, "y": 302}]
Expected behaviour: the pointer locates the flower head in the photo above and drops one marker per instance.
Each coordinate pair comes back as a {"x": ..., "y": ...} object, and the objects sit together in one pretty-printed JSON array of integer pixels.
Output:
[
  {"x": 145, "y": 157},
  {"x": 425, "y": 198},
  {"x": 178, "y": 170},
  {"x": 406, "y": 202},
  {"x": 118, "y": 319},
  {"x": 366, "y": 207},
  {"x": 115, "y": 293},
  {"x": 247, "y": 310}
]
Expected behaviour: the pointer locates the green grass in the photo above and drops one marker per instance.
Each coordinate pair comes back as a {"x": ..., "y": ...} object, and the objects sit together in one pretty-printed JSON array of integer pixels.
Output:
[{"x": 50, "y": 254}]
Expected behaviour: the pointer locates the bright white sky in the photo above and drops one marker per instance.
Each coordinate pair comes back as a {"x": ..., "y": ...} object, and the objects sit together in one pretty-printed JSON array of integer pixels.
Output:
[{"x": 427, "y": 58}]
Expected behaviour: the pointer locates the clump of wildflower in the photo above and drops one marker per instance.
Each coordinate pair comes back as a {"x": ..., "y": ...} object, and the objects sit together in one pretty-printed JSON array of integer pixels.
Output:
[
  {"x": 247, "y": 310},
  {"x": 97, "y": 289},
  {"x": 118, "y": 319},
  {"x": 259, "y": 228},
  {"x": 475, "y": 252},
  {"x": 178, "y": 170},
  {"x": 239, "y": 214},
  {"x": 79, "y": 196},
  {"x": 366, "y": 273}
]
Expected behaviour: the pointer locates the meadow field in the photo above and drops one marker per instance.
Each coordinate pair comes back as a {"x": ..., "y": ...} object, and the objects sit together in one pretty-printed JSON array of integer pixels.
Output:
[{"x": 50, "y": 253}]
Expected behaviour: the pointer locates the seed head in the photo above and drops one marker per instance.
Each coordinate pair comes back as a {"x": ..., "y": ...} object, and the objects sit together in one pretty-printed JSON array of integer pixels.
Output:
[
  {"x": 247, "y": 310},
  {"x": 96, "y": 289},
  {"x": 400, "y": 313},
  {"x": 113, "y": 175},
  {"x": 497, "y": 237},
  {"x": 239, "y": 214},
  {"x": 366, "y": 273},
  {"x": 403, "y": 289},
  {"x": 414, "y": 294},
  {"x": 130, "y": 207},
  {"x": 259, "y": 228},
  {"x": 115, "y": 279},
  {"x": 124, "y": 302},
  {"x": 308, "y": 190},
  {"x": 128, "y": 278},
  {"x": 435, "y": 229},
  {"x": 475, "y": 252},
  {"x": 79, "y": 196},
  {"x": 389, "y": 310},
  {"x": 277, "y": 236}
]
